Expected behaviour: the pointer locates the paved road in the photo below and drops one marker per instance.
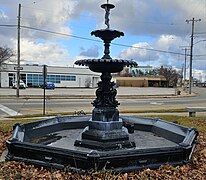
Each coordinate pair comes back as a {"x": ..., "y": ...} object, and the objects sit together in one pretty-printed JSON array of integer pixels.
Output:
[
  {"x": 86, "y": 91},
  {"x": 33, "y": 106}
]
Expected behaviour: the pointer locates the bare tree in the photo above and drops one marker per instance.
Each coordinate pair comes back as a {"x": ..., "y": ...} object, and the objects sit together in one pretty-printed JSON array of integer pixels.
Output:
[
  {"x": 171, "y": 75},
  {"x": 5, "y": 55}
]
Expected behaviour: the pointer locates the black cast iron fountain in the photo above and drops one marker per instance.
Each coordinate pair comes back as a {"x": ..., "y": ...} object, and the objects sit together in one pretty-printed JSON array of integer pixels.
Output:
[
  {"x": 105, "y": 129},
  {"x": 122, "y": 143}
]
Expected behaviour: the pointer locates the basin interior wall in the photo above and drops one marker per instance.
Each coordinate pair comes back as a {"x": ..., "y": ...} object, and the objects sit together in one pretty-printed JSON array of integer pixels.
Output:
[{"x": 50, "y": 142}]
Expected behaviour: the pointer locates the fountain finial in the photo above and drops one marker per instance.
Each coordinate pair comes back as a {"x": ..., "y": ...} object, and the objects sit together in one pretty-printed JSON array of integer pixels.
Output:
[{"x": 107, "y": 8}]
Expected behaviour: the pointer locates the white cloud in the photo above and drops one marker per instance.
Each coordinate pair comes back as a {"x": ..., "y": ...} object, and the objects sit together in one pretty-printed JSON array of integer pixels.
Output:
[
  {"x": 139, "y": 52},
  {"x": 43, "y": 53},
  {"x": 3, "y": 16},
  {"x": 199, "y": 74},
  {"x": 91, "y": 52},
  {"x": 47, "y": 14},
  {"x": 163, "y": 21}
]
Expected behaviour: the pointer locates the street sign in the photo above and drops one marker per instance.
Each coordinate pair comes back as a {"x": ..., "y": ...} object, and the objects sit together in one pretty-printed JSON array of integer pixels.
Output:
[{"x": 18, "y": 68}]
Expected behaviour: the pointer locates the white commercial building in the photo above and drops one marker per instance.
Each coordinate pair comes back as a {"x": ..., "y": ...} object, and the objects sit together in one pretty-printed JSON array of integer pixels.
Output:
[{"x": 32, "y": 75}]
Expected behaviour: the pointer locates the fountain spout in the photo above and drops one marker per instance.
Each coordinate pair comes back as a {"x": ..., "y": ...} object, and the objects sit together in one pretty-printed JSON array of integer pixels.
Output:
[{"x": 107, "y": 8}]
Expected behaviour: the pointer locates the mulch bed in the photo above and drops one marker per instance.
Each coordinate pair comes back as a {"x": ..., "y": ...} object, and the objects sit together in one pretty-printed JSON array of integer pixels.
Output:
[{"x": 196, "y": 169}]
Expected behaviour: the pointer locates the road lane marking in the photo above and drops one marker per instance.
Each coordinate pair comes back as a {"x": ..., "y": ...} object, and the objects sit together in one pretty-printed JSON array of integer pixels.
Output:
[
  {"x": 9, "y": 111},
  {"x": 156, "y": 103}
]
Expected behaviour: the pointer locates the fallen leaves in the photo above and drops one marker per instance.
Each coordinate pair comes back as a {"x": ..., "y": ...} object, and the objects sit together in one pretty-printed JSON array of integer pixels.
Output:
[
  {"x": 196, "y": 169},
  {"x": 3, "y": 138}
]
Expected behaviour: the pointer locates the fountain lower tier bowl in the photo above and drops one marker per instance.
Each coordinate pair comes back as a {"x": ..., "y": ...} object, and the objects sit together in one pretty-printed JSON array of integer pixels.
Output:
[
  {"x": 50, "y": 142},
  {"x": 106, "y": 65}
]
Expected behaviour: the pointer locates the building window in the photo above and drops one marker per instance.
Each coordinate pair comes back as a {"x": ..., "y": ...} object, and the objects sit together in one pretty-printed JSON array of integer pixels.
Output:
[
  {"x": 37, "y": 79},
  {"x": 63, "y": 78},
  {"x": 70, "y": 78}
]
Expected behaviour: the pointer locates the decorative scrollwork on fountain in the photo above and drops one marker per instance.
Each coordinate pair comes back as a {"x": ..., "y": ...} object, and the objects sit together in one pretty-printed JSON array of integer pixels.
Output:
[
  {"x": 105, "y": 94},
  {"x": 105, "y": 103}
]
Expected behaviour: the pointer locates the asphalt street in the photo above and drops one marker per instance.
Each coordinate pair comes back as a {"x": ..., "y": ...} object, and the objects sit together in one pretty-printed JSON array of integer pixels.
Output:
[{"x": 13, "y": 106}]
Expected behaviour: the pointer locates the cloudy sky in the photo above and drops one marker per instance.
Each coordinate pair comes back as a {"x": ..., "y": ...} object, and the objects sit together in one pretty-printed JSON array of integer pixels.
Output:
[{"x": 57, "y": 32}]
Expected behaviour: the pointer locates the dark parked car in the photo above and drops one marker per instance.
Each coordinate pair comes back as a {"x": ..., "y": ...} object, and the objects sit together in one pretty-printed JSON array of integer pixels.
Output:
[{"x": 48, "y": 85}]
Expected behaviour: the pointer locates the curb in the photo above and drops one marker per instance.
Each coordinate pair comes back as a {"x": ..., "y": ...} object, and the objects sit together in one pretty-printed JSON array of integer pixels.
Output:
[{"x": 93, "y": 96}]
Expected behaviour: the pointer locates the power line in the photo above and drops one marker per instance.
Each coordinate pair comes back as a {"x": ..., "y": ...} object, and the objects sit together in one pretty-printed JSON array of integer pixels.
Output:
[
  {"x": 62, "y": 34},
  {"x": 79, "y": 37},
  {"x": 200, "y": 33},
  {"x": 7, "y": 25},
  {"x": 34, "y": 2},
  {"x": 199, "y": 60},
  {"x": 40, "y": 9},
  {"x": 99, "y": 41}
]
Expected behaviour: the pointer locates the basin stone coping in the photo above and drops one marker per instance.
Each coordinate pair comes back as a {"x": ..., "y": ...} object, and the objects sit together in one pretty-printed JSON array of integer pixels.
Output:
[
  {"x": 195, "y": 109},
  {"x": 50, "y": 142},
  {"x": 192, "y": 110},
  {"x": 169, "y": 130}
]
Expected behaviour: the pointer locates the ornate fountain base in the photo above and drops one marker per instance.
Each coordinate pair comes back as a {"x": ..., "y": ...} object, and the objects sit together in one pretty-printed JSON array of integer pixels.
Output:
[
  {"x": 105, "y": 136},
  {"x": 105, "y": 114},
  {"x": 105, "y": 131}
]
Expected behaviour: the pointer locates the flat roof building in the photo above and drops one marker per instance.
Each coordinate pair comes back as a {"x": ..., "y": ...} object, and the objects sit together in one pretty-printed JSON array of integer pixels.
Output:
[{"x": 32, "y": 75}]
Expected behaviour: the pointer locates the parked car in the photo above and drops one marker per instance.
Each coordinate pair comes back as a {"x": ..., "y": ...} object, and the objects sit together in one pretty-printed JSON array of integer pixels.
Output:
[
  {"x": 22, "y": 85},
  {"x": 48, "y": 85}
]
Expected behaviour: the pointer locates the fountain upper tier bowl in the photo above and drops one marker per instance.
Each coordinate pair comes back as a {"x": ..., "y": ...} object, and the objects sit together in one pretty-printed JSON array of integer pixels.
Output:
[
  {"x": 107, "y": 34},
  {"x": 106, "y": 65}
]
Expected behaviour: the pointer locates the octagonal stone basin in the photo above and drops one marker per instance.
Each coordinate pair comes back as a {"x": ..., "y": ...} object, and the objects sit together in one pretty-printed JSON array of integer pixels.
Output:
[{"x": 50, "y": 143}]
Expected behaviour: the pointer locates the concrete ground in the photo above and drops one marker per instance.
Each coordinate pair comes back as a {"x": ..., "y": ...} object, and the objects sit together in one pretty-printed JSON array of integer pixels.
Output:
[
  {"x": 71, "y": 92},
  {"x": 76, "y": 94}
]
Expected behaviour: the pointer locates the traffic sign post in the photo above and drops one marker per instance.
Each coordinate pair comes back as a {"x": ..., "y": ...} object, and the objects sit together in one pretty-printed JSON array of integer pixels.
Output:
[
  {"x": 18, "y": 68},
  {"x": 44, "y": 71}
]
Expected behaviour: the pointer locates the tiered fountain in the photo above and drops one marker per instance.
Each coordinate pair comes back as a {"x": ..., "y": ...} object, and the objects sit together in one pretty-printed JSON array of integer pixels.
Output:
[
  {"x": 105, "y": 129},
  {"x": 83, "y": 142}
]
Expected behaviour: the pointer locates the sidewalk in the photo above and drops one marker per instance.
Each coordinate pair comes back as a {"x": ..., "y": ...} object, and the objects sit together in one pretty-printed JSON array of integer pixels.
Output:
[{"x": 122, "y": 92}]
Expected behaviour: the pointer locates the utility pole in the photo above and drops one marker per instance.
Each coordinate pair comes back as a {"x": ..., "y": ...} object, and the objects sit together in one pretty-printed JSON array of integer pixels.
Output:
[
  {"x": 185, "y": 67},
  {"x": 191, "y": 50},
  {"x": 181, "y": 80},
  {"x": 18, "y": 52}
]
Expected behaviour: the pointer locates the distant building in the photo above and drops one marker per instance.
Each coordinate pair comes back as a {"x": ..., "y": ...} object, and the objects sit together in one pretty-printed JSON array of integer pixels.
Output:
[
  {"x": 150, "y": 81},
  {"x": 32, "y": 76},
  {"x": 141, "y": 76}
]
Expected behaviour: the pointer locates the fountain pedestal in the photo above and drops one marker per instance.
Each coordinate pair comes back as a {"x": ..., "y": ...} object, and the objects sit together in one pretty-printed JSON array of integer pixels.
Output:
[
  {"x": 105, "y": 130},
  {"x": 105, "y": 136}
]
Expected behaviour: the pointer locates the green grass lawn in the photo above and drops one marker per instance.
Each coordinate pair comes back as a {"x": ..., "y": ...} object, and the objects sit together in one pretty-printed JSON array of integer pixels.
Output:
[
  {"x": 194, "y": 170},
  {"x": 196, "y": 122},
  {"x": 193, "y": 122}
]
